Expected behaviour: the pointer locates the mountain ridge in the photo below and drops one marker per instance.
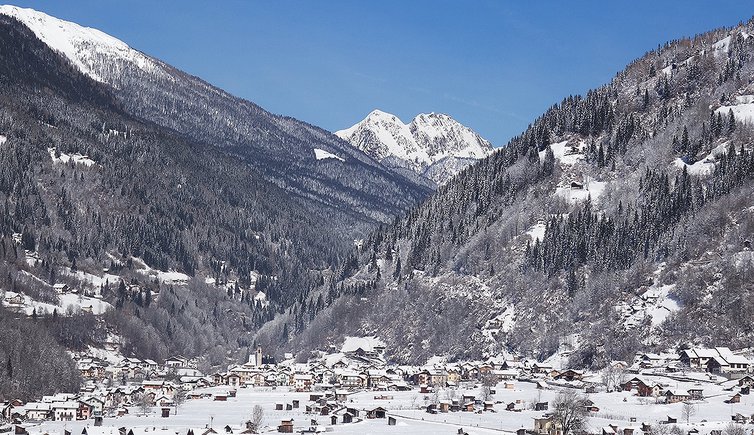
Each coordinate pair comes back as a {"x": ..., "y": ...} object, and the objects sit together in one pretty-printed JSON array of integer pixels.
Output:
[
  {"x": 428, "y": 140},
  {"x": 358, "y": 189}
]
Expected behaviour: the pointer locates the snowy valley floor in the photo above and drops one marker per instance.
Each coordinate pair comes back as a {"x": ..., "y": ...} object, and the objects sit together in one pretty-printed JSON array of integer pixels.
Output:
[{"x": 614, "y": 408}]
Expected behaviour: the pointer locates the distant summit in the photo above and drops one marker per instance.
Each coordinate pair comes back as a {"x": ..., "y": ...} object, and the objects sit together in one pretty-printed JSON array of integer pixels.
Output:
[{"x": 433, "y": 145}]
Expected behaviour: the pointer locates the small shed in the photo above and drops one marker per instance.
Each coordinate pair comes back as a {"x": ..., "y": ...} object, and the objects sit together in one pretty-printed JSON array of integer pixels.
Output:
[
  {"x": 378, "y": 412},
  {"x": 286, "y": 426},
  {"x": 165, "y": 412}
]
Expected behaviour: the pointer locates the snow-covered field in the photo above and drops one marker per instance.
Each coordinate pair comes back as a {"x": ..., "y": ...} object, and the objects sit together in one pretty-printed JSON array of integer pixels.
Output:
[
  {"x": 169, "y": 277},
  {"x": 73, "y": 301},
  {"x": 706, "y": 165},
  {"x": 743, "y": 110},
  {"x": 566, "y": 154},
  {"x": 592, "y": 189},
  {"x": 621, "y": 408}
]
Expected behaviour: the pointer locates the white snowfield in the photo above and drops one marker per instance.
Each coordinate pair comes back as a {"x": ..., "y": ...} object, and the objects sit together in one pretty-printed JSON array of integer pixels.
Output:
[
  {"x": 74, "y": 302},
  {"x": 566, "y": 154},
  {"x": 169, "y": 277},
  {"x": 624, "y": 409},
  {"x": 743, "y": 110},
  {"x": 367, "y": 344},
  {"x": 591, "y": 188},
  {"x": 65, "y": 158},
  {"x": 655, "y": 302},
  {"x": 321, "y": 154},
  {"x": 537, "y": 231},
  {"x": 706, "y": 165},
  {"x": 80, "y": 45}
]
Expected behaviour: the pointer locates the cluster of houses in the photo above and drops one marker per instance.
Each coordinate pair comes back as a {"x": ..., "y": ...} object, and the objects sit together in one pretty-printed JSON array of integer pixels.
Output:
[
  {"x": 716, "y": 360},
  {"x": 359, "y": 365},
  {"x": 95, "y": 404},
  {"x": 334, "y": 407}
]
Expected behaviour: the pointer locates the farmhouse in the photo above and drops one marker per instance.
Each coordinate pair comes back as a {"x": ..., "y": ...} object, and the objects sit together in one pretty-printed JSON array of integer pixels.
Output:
[
  {"x": 547, "y": 425},
  {"x": 716, "y": 360}
]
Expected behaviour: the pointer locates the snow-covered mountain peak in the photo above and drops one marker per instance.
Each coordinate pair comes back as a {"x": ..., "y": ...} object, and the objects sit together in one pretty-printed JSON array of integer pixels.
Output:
[
  {"x": 90, "y": 50},
  {"x": 443, "y": 136},
  {"x": 428, "y": 139},
  {"x": 382, "y": 135},
  {"x": 378, "y": 114}
]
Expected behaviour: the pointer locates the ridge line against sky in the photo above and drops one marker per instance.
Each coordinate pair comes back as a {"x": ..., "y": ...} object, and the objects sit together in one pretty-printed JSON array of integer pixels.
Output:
[{"x": 493, "y": 66}]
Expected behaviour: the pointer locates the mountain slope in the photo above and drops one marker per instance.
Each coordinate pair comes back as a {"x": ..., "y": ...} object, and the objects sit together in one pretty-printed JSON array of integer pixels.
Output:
[
  {"x": 117, "y": 206},
  {"x": 433, "y": 145},
  {"x": 354, "y": 191},
  {"x": 618, "y": 221}
]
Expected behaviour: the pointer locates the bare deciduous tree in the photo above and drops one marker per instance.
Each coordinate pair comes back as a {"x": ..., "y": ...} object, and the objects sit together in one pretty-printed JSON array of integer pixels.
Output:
[
  {"x": 179, "y": 397},
  {"x": 688, "y": 411},
  {"x": 450, "y": 393},
  {"x": 257, "y": 415},
  {"x": 435, "y": 399},
  {"x": 485, "y": 393},
  {"x": 613, "y": 377},
  {"x": 143, "y": 403},
  {"x": 570, "y": 411}
]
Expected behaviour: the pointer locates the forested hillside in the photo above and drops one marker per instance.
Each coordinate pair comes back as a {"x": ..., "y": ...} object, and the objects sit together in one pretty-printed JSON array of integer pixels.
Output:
[
  {"x": 617, "y": 219},
  {"x": 350, "y": 190},
  {"x": 95, "y": 197}
]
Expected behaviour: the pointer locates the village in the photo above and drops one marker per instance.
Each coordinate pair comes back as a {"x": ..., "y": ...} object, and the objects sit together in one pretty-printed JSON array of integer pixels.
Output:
[{"x": 351, "y": 389}]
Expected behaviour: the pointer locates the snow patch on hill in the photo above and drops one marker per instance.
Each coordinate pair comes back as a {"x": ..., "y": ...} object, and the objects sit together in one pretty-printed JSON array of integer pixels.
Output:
[
  {"x": 722, "y": 46},
  {"x": 654, "y": 301},
  {"x": 77, "y": 158},
  {"x": 743, "y": 111},
  {"x": 704, "y": 166},
  {"x": 367, "y": 344},
  {"x": 25, "y": 304},
  {"x": 322, "y": 155},
  {"x": 566, "y": 154},
  {"x": 537, "y": 231},
  {"x": 169, "y": 277},
  {"x": 502, "y": 323},
  {"x": 591, "y": 189}
]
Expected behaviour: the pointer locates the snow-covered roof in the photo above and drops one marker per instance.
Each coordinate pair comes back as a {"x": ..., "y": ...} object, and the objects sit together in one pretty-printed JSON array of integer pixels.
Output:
[{"x": 367, "y": 344}]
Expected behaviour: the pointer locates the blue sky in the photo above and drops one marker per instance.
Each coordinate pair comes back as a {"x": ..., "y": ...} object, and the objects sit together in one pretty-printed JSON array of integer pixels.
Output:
[{"x": 493, "y": 65}]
